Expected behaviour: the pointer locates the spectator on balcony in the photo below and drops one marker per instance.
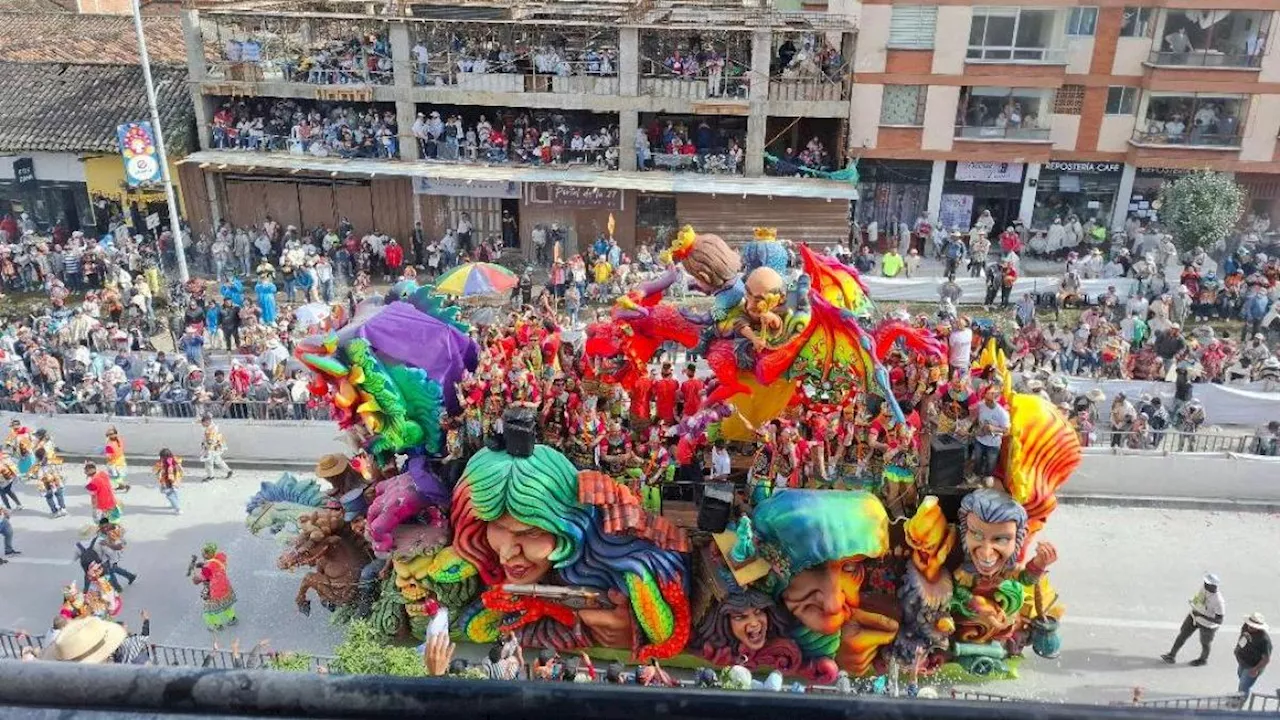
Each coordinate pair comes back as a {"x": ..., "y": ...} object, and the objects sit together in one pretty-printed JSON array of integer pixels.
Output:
[{"x": 421, "y": 59}]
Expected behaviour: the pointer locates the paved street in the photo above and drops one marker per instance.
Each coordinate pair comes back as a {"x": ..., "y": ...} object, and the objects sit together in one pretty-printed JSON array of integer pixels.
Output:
[{"x": 1125, "y": 574}]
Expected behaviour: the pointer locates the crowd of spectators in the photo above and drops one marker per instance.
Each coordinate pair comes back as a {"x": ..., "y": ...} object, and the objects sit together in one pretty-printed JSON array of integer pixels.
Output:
[
  {"x": 299, "y": 127},
  {"x": 364, "y": 59},
  {"x": 445, "y": 61},
  {"x": 689, "y": 144},
  {"x": 517, "y": 136}
]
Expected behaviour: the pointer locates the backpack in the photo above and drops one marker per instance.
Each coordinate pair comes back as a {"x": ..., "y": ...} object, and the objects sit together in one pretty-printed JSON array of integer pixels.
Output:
[{"x": 88, "y": 554}]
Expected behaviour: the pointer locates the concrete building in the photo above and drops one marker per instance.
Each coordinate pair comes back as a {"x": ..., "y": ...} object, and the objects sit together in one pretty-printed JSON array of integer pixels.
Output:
[
  {"x": 745, "y": 109},
  {"x": 1040, "y": 110}
]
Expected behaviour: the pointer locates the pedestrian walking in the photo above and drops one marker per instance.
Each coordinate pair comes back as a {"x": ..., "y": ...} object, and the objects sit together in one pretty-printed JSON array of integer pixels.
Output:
[
  {"x": 1207, "y": 609},
  {"x": 99, "y": 486},
  {"x": 213, "y": 446},
  {"x": 1253, "y": 652},
  {"x": 168, "y": 472},
  {"x": 6, "y": 532}
]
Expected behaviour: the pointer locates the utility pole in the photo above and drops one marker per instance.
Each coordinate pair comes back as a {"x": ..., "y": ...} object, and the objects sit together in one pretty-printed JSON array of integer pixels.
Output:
[{"x": 179, "y": 243}]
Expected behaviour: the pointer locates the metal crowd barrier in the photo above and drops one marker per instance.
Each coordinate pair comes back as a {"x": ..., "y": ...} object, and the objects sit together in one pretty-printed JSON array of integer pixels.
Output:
[
  {"x": 1175, "y": 441},
  {"x": 1253, "y": 702},
  {"x": 12, "y": 644},
  {"x": 235, "y": 410}
]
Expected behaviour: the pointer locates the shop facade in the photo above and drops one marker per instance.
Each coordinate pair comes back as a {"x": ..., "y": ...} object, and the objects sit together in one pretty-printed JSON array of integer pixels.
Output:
[
  {"x": 582, "y": 212},
  {"x": 1084, "y": 189},
  {"x": 971, "y": 187},
  {"x": 892, "y": 191},
  {"x": 50, "y": 187}
]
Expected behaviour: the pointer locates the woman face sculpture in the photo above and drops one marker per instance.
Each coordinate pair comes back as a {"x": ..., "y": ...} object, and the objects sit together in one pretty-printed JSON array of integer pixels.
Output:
[
  {"x": 750, "y": 627},
  {"x": 523, "y": 550}
]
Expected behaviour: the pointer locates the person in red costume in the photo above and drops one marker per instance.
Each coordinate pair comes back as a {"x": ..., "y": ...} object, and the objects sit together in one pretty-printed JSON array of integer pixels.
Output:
[
  {"x": 665, "y": 392},
  {"x": 691, "y": 391},
  {"x": 395, "y": 258},
  {"x": 642, "y": 400}
]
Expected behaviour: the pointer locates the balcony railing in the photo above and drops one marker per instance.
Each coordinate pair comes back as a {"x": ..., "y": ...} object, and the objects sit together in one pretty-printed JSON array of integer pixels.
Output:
[
  {"x": 1016, "y": 55},
  {"x": 1205, "y": 59},
  {"x": 990, "y": 132},
  {"x": 1192, "y": 138}
]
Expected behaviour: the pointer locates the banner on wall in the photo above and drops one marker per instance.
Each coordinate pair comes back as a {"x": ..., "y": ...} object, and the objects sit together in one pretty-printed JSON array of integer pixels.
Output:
[
  {"x": 504, "y": 189},
  {"x": 575, "y": 196},
  {"x": 956, "y": 211},
  {"x": 995, "y": 172},
  {"x": 141, "y": 158}
]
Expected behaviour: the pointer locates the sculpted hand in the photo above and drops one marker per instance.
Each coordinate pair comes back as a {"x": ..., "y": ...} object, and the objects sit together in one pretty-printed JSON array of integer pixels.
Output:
[
  {"x": 1046, "y": 555},
  {"x": 610, "y": 627}
]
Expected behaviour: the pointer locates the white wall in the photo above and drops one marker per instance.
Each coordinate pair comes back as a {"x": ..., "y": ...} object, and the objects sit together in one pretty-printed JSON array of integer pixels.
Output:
[
  {"x": 61, "y": 167},
  {"x": 1079, "y": 54},
  {"x": 864, "y": 120},
  {"x": 1261, "y": 128},
  {"x": 951, "y": 40},
  {"x": 1130, "y": 54},
  {"x": 873, "y": 36},
  {"x": 940, "y": 116},
  {"x": 1063, "y": 131},
  {"x": 1115, "y": 132},
  {"x": 1271, "y": 58}
]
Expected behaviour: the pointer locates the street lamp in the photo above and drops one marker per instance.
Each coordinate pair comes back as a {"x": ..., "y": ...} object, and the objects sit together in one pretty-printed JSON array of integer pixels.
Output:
[{"x": 174, "y": 226}]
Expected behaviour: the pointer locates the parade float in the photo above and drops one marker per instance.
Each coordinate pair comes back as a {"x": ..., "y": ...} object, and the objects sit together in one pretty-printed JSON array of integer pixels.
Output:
[{"x": 464, "y": 494}]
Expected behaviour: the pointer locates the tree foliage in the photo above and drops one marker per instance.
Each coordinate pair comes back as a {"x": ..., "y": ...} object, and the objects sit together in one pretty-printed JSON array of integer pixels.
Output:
[
  {"x": 364, "y": 652},
  {"x": 1200, "y": 209}
]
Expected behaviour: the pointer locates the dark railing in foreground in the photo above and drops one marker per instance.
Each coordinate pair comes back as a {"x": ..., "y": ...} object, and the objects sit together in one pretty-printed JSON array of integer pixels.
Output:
[
  {"x": 156, "y": 691},
  {"x": 1254, "y": 702},
  {"x": 12, "y": 645}
]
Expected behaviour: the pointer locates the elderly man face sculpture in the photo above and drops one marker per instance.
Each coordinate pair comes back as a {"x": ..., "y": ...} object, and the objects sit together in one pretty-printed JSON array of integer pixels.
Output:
[{"x": 992, "y": 527}]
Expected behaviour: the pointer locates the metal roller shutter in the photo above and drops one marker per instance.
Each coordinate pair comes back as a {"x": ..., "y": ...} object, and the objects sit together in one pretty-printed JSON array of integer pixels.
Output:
[{"x": 812, "y": 220}]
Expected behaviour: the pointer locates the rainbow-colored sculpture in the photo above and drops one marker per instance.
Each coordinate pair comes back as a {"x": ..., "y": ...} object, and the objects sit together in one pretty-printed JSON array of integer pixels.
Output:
[{"x": 809, "y": 582}]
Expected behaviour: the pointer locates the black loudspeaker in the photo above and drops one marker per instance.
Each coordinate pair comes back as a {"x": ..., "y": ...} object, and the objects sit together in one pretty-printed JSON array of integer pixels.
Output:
[
  {"x": 946, "y": 462},
  {"x": 715, "y": 507}
]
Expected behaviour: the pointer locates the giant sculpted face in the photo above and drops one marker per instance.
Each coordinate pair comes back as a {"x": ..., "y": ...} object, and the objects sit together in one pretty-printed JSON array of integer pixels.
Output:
[
  {"x": 992, "y": 528},
  {"x": 823, "y": 597},
  {"x": 524, "y": 551}
]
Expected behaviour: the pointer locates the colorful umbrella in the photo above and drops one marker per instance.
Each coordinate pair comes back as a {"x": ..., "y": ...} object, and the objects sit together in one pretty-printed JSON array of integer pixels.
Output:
[{"x": 476, "y": 279}]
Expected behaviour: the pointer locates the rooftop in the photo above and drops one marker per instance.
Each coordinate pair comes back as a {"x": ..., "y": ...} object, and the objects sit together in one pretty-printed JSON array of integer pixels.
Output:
[
  {"x": 57, "y": 107},
  {"x": 61, "y": 37},
  {"x": 662, "y": 14}
]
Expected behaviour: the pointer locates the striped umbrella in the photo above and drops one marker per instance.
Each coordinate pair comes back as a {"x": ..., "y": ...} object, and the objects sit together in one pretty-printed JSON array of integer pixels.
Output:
[{"x": 476, "y": 278}]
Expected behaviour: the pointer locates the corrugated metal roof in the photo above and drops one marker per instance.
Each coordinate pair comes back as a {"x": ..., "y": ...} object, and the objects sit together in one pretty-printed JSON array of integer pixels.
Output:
[{"x": 643, "y": 181}]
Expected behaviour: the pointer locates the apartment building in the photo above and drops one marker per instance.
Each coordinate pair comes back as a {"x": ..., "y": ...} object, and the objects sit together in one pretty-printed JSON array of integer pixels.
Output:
[
  {"x": 1041, "y": 110},
  {"x": 609, "y": 116}
]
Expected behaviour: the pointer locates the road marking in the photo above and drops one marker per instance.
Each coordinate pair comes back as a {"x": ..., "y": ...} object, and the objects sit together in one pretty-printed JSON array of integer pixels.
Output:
[
  {"x": 23, "y": 560},
  {"x": 1135, "y": 624}
]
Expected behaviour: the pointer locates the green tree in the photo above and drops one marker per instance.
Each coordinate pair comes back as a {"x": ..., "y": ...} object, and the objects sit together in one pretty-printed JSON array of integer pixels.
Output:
[
  {"x": 1200, "y": 209},
  {"x": 364, "y": 652}
]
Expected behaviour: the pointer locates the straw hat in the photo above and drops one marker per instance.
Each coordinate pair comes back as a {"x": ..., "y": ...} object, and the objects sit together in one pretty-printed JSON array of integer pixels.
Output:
[
  {"x": 332, "y": 465},
  {"x": 86, "y": 640},
  {"x": 1096, "y": 395},
  {"x": 1256, "y": 621}
]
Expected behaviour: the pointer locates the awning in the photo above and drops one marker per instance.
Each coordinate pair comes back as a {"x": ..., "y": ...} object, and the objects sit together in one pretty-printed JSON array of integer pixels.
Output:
[{"x": 654, "y": 182}]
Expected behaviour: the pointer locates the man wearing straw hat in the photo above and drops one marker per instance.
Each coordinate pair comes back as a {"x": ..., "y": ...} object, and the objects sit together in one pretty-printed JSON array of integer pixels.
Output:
[
  {"x": 92, "y": 640},
  {"x": 1253, "y": 652}
]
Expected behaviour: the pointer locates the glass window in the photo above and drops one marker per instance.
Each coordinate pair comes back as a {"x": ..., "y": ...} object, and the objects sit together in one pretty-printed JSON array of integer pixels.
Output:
[
  {"x": 995, "y": 112},
  {"x": 1212, "y": 38},
  {"x": 1010, "y": 33},
  {"x": 1175, "y": 119},
  {"x": 903, "y": 105},
  {"x": 1137, "y": 22},
  {"x": 913, "y": 26},
  {"x": 1082, "y": 20},
  {"x": 1121, "y": 100}
]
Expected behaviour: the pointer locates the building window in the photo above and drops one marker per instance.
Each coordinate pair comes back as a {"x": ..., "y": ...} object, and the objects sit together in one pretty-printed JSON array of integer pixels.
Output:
[
  {"x": 1137, "y": 22},
  {"x": 1191, "y": 119},
  {"x": 911, "y": 27},
  {"x": 1082, "y": 21},
  {"x": 1213, "y": 38},
  {"x": 1004, "y": 113},
  {"x": 1121, "y": 100},
  {"x": 1005, "y": 34},
  {"x": 1069, "y": 100},
  {"x": 903, "y": 105}
]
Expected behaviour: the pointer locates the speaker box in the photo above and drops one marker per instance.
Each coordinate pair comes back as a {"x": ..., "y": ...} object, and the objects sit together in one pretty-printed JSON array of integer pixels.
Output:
[
  {"x": 946, "y": 462},
  {"x": 715, "y": 507}
]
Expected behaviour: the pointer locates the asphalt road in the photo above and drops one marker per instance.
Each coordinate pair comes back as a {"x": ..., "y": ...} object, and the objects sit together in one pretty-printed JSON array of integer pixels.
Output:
[{"x": 1125, "y": 575}]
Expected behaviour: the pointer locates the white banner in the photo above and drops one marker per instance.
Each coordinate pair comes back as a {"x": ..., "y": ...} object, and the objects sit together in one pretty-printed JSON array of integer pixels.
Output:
[
  {"x": 504, "y": 189},
  {"x": 975, "y": 289},
  {"x": 996, "y": 172}
]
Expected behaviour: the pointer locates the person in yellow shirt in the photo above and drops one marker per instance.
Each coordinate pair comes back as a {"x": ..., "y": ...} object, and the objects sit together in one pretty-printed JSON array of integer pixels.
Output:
[
  {"x": 891, "y": 264},
  {"x": 603, "y": 271}
]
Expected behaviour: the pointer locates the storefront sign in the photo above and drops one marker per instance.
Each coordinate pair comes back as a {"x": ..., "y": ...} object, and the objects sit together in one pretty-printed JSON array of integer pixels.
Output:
[
  {"x": 576, "y": 196},
  {"x": 24, "y": 171},
  {"x": 1093, "y": 168},
  {"x": 141, "y": 159},
  {"x": 1163, "y": 172},
  {"x": 996, "y": 172},
  {"x": 504, "y": 189}
]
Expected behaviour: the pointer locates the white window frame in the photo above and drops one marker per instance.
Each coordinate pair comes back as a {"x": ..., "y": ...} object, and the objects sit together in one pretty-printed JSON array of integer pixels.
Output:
[
  {"x": 1043, "y": 54},
  {"x": 1146, "y": 26},
  {"x": 1125, "y": 91},
  {"x": 1075, "y": 19}
]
